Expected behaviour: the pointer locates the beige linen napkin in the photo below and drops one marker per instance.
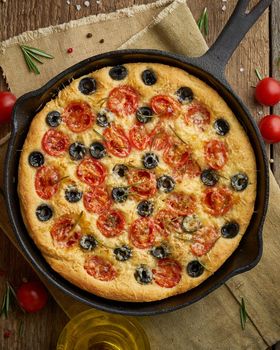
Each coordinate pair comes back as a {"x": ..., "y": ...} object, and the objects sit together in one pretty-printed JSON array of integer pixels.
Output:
[{"x": 214, "y": 321}]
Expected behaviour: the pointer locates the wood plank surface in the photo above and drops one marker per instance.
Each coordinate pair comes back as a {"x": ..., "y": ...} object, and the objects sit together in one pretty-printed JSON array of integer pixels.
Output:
[
  {"x": 41, "y": 330},
  {"x": 275, "y": 72}
]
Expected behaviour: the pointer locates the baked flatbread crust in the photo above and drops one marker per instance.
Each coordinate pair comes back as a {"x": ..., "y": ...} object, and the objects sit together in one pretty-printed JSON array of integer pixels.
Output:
[{"x": 69, "y": 261}]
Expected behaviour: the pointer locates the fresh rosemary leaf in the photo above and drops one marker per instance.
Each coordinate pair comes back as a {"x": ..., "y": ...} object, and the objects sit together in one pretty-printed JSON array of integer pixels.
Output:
[
  {"x": 206, "y": 22},
  {"x": 203, "y": 22},
  {"x": 243, "y": 314},
  {"x": 200, "y": 23},
  {"x": 37, "y": 52},
  {"x": 32, "y": 66},
  {"x": 8, "y": 300},
  {"x": 35, "y": 57},
  {"x": 258, "y": 74},
  {"x": 20, "y": 329}
]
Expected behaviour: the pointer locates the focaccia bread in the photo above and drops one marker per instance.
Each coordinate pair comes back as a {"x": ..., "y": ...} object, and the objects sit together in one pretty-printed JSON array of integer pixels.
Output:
[{"x": 137, "y": 182}]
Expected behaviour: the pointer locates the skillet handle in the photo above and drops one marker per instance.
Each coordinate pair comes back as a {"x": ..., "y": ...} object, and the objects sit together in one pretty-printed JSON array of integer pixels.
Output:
[{"x": 217, "y": 57}]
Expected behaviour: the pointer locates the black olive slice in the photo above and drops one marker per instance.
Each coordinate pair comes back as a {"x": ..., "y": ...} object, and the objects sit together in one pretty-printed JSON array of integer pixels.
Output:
[
  {"x": 77, "y": 151},
  {"x": 165, "y": 183},
  {"x": 102, "y": 120},
  {"x": 72, "y": 194},
  {"x": 144, "y": 114},
  {"x": 209, "y": 177},
  {"x": 36, "y": 159},
  {"x": 143, "y": 274},
  {"x": 97, "y": 150},
  {"x": 87, "y": 86},
  {"x": 120, "y": 170},
  {"x": 221, "y": 126},
  {"x": 149, "y": 77},
  {"x": 88, "y": 242},
  {"x": 230, "y": 229},
  {"x": 160, "y": 252},
  {"x": 194, "y": 268},
  {"x": 145, "y": 208},
  {"x": 120, "y": 194},
  {"x": 239, "y": 182},
  {"x": 184, "y": 94},
  {"x": 150, "y": 160},
  {"x": 123, "y": 253},
  {"x": 53, "y": 119},
  {"x": 44, "y": 212},
  {"x": 191, "y": 223},
  {"x": 118, "y": 72}
]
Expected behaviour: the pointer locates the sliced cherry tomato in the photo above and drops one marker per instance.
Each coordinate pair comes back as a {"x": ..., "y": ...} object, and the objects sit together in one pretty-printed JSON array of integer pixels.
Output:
[
  {"x": 143, "y": 183},
  {"x": 176, "y": 155},
  {"x": 7, "y": 102},
  {"x": 165, "y": 106},
  {"x": 47, "y": 181},
  {"x": 123, "y": 100},
  {"x": 198, "y": 115},
  {"x": 218, "y": 200},
  {"x": 270, "y": 128},
  {"x": 92, "y": 172},
  {"x": 168, "y": 273},
  {"x": 116, "y": 141},
  {"x": 139, "y": 137},
  {"x": 55, "y": 142},
  {"x": 268, "y": 91},
  {"x": 167, "y": 221},
  {"x": 111, "y": 223},
  {"x": 181, "y": 203},
  {"x": 216, "y": 154},
  {"x": 63, "y": 232},
  {"x": 204, "y": 240},
  {"x": 100, "y": 268},
  {"x": 97, "y": 200},
  {"x": 141, "y": 233},
  {"x": 32, "y": 296},
  {"x": 190, "y": 168},
  {"x": 160, "y": 139},
  {"x": 78, "y": 116}
]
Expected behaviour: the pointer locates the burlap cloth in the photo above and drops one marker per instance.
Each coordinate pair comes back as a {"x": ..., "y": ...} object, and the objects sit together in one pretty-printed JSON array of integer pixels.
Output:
[{"x": 212, "y": 323}]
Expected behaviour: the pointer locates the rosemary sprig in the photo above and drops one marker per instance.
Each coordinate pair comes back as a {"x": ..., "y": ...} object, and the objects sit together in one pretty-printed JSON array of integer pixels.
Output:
[
  {"x": 21, "y": 328},
  {"x": 243, "y": 314},
  {"x": 258, "y": 74},
  {"x": 32, "y": 54},
  {"x": 7, "y": 300},
  {"x": 203, "y": 22}
]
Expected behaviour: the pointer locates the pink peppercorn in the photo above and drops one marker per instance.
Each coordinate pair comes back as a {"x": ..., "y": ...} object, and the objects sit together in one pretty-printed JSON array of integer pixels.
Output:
[{"x": 70, "y": 50}]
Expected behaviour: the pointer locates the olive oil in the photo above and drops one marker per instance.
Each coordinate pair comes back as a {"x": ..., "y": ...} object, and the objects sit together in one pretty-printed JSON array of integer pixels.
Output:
[{"x": 95, "y": 330}]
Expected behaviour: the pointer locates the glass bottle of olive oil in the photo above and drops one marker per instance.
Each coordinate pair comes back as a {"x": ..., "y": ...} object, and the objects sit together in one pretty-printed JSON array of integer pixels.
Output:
[{"x": 96, "y": 330}]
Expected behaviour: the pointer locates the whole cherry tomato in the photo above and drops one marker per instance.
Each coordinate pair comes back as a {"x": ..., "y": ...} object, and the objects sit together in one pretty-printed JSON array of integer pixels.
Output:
[
  {"x": 268, "y": 91},
  {"x": 270, "y": 128},
  {"x": 32, "y": 296},
  {"x": 7, "y": 101}
]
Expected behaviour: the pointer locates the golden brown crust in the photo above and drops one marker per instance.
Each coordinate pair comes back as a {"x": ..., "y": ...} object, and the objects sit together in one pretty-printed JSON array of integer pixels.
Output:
[{"x": 69, "y": 262}]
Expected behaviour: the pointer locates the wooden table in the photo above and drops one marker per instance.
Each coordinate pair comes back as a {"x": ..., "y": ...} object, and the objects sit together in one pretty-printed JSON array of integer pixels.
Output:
[{"x": 260, "y": 49}]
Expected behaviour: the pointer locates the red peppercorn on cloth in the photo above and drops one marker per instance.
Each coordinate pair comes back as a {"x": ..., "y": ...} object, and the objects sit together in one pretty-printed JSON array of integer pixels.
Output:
[{"x": 214, "y": 322}]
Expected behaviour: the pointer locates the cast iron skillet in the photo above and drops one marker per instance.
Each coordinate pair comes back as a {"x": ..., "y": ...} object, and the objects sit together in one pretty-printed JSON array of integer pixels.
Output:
[{"x": 210, "y": 68}]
